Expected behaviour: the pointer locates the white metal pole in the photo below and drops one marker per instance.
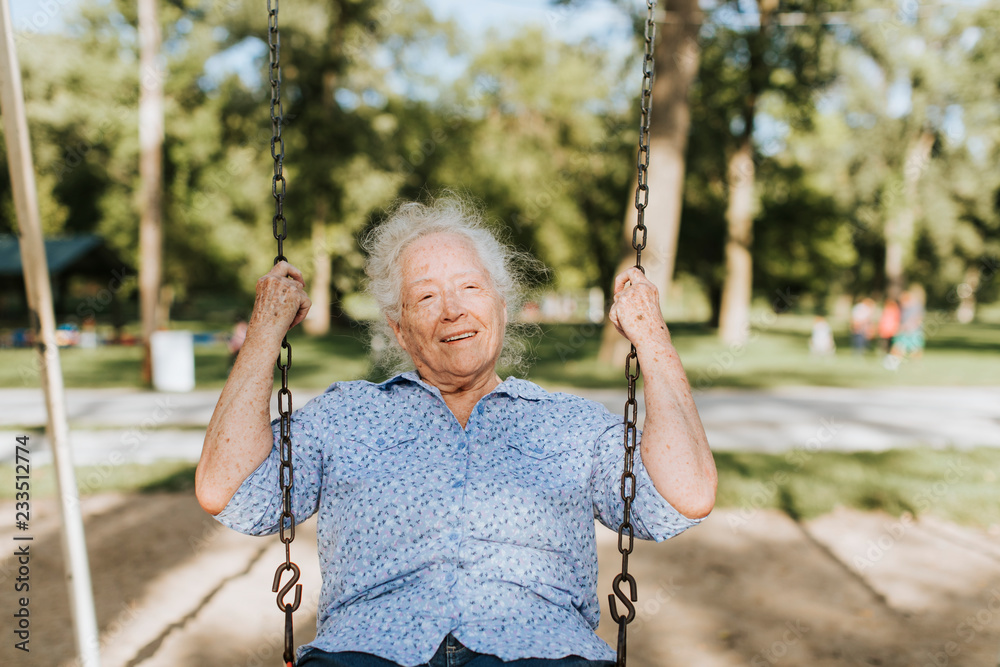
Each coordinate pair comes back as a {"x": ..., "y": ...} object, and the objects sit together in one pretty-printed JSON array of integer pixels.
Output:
[{"x": 36, "y": 280}]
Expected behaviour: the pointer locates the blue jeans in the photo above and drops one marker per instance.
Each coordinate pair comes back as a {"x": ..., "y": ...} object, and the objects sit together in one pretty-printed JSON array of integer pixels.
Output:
[{"x": 451, "y": 653}]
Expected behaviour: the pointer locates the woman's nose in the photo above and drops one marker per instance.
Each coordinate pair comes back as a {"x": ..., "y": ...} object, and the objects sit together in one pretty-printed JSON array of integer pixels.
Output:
[{"x": 453, "y": 307}]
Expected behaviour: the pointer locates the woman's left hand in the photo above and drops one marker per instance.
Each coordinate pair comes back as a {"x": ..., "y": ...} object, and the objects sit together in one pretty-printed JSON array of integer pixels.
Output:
[{"x": 635, "y": 311}]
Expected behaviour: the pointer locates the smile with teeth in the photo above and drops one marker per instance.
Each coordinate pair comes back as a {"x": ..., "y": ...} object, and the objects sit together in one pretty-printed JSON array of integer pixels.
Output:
[{"x": 467, "y": 334}]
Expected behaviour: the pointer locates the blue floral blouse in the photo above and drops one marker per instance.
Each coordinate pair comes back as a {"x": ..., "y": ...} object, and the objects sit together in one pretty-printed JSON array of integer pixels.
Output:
[{"x": 427, "y": 528}]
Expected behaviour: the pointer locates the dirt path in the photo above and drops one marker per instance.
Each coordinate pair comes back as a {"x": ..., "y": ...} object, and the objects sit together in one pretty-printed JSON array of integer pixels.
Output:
[{"x": 173, "y": 588}]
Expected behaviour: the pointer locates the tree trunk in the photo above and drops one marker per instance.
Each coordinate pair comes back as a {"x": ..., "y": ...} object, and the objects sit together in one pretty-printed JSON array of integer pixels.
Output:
[
  {"x": 317, "y": 322},
  {"x": 899, "y": 226},
  {"x": 151, "y": 176},
  {"x": 737, "y": 289},
  {"x": 676, "y": 58},
  {"x": 734, "y": 313}
]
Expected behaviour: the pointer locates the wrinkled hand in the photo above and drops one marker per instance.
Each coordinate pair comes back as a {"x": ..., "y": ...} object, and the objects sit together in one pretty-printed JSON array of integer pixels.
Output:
[
  {"x": 281, "y": 301},
  {"x": 635, "y": 311}
]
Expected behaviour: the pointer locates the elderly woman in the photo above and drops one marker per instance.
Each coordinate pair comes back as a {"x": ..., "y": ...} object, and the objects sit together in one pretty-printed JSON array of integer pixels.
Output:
[{"x": 456, "y": 509}]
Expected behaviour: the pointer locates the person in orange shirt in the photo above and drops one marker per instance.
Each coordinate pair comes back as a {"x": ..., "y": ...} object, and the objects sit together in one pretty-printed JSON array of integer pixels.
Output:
[{"x": 888, "y": 324}]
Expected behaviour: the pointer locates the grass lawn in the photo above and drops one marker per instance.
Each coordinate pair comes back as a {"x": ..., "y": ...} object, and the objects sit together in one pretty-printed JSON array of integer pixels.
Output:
[
  {"x": 955, "y": 485},
  {"x": 316, "y": 362},
  {"x": 778, "y": 355},
  {"x": 566, "y": 355}
]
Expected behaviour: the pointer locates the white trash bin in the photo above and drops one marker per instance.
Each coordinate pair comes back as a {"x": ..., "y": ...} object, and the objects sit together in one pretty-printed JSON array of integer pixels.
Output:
[{"x": 173, "y": 360}]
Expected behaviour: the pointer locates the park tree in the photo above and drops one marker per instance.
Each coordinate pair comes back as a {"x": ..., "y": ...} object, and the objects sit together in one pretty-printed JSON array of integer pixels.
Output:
[
  {"x": 803, "y": 246},
  {"x": 150, "y": 178},
  {"x": 759, "y": 57},
  {"x": 348, "y": 100},
  {"x": 543, "y": 130},
  {"x": 903, "y": 145},
  {"x": 83, "y": 90},
  {"x": 342, "y": 114},
  {"x": 909, "y": 59},
  {"x": 543, "y": 144},
  {"x": 958, "y": 246},
  {"x": 761, "y": 70},
  {"x": 70, "y": 89},
  {"x": 676, "y": 59}
]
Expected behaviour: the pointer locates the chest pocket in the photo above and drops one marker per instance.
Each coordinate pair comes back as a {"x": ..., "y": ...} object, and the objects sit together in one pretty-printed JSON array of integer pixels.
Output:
[
  {"x": 538, "y": 447},
  {"x": 551, "y": 466},
  {"x": 533, "y": 431},
  {"x": 377, "y": 450},
  {"x": 546, "y": 443}
]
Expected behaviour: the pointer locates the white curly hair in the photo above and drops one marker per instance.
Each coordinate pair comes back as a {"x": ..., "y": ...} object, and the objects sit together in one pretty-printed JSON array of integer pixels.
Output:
[{"x": 506, "y": 267}]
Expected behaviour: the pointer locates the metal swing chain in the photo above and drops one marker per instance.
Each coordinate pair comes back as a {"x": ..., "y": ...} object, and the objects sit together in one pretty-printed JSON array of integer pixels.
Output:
[
  {"x": 625, "y": 531},
  {"x": 280, "y": 230}
]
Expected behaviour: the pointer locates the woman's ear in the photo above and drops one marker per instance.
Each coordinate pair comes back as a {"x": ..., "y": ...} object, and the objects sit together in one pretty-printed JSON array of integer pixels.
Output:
[{"x": 397, "y": 330}]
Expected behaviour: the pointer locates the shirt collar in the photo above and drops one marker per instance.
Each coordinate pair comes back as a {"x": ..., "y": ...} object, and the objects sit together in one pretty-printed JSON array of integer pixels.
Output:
[
  {"x": 408, "y": 376},
  {"x": 512, "y": 386}
]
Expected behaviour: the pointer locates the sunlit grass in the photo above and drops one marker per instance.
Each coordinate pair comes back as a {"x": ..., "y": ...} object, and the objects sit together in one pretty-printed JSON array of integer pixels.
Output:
[
  {"x": 778, "y": 355},
  {"x": 956, "y": 485},
  {"x": 127, "y": 477},
  {"x": 316, "y": 363},
  {"x": 566, "y": 356}
]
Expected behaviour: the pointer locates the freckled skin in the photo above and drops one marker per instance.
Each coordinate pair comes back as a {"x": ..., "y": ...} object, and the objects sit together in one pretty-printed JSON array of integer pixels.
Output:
[
  {"x": 239, "y": 438},
  {"x": 674, "y": 446}
]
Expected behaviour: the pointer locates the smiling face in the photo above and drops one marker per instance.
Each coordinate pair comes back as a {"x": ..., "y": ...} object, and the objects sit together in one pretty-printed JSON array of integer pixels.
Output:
[{"x": 452, "y": 321}]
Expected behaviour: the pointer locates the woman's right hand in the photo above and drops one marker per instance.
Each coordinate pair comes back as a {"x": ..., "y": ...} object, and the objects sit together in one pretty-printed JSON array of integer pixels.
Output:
[
  {"x": 239, "y": 436},
  {"x": 281, "y": 301}
]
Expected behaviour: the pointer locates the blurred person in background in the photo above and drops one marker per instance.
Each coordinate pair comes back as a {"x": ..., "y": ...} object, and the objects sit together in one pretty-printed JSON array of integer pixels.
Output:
[
  {"x": 861, "y": 316},
  {"x": 888, "y": 325},
  {"x": 909, "y": 342},
  {"x": 821, "y": 341}
]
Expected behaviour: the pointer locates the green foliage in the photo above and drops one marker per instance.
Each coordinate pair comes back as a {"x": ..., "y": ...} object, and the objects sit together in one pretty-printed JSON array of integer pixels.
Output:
[
  {"x": 754, "y": 77},
  {"x": 547, "y": 150},
  {"x": 533, "y": 128},
  {"x": 542, "y": 131},
  {"x": 898, "y": 77},
  {"x": 802, "y": 244}
]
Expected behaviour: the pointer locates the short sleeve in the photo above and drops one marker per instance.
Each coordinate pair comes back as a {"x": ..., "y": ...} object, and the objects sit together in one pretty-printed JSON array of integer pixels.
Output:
[
  {"x": 653, "y": 517},
  {"x": 255, "y": 508}
]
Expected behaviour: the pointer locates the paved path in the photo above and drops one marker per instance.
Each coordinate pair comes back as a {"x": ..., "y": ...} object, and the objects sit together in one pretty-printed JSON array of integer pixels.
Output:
[{"x": 121, "y": 425}]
